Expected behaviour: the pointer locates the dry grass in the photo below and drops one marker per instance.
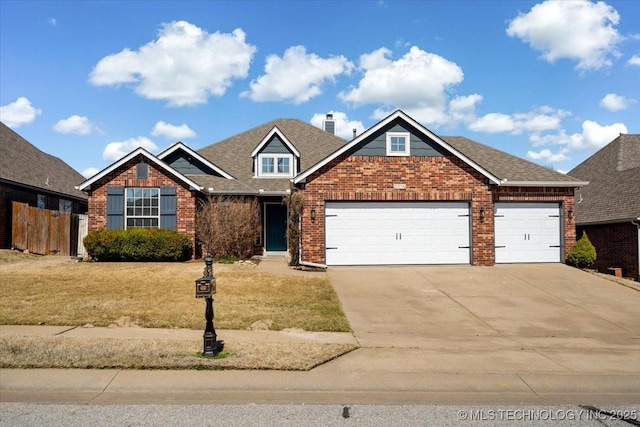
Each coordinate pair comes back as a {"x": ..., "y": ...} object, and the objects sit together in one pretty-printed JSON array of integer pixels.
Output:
[
  {"x": 94, "y": 353},
  {"x": 56, "y": 291}
]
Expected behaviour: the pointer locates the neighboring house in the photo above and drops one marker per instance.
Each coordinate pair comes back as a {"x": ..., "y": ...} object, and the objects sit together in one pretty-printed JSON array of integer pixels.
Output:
[
  {"x": 396, "y": 194},
  {"x": 608, "y": 209},
  {"x": 28, "y": 175}
]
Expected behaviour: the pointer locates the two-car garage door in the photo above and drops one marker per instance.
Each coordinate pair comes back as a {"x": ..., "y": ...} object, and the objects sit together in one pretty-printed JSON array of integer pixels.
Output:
[
  {"x": 378, "y": 233},
  {"x": 375, "y": 233}
]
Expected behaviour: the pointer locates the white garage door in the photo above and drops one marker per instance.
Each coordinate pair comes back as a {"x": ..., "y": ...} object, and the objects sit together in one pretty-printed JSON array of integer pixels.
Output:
[
  {"x": 527, "y": 232},
  {"x": 378, "y": 233}
]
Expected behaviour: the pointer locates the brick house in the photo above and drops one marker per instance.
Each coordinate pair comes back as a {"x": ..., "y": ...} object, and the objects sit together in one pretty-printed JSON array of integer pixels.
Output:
[
  {"x": 163, "y": 191},
  {"x": 399, "y": 194},
  {"x": 396, "y": 194},
  {"x": 608, "y": 209},
  {"x": 29, "y": 175}
]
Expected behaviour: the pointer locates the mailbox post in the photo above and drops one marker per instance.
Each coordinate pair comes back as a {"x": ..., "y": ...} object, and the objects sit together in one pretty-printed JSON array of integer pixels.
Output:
[{"x": 205, "y": 288}]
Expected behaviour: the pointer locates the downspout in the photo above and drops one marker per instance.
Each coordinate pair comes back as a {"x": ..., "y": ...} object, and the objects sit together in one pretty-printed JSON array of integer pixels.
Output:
[
  {"x": 636, "y": 222},
  {"x": 300, "y": 261}
]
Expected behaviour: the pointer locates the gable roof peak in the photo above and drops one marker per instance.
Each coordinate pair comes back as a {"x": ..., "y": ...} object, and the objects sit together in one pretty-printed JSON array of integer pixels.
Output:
[
  {"x": 275, "y": 131},
  {"x": 180, "y": 146},
  {"x": 381, "y": 124},
  {"x": 86, "y": 185}
]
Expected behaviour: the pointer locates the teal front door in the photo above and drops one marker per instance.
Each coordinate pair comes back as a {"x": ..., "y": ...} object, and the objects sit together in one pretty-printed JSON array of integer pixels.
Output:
[{"x": 275, "y": 226}]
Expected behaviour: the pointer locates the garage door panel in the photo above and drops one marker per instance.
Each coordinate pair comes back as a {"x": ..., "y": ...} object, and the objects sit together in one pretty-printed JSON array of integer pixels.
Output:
[
  {"x": 397, "y": 233},
  {"x": 527, "y": 232}
]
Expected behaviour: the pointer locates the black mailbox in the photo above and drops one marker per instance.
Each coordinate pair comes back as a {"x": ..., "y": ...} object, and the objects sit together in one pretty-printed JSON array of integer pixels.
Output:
[{"x": 205, "y": 287}]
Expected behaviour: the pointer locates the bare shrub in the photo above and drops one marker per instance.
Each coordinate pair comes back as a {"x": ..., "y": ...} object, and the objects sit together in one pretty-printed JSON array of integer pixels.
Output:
[
  {"x": 228, "y": 225},
  {"x": 295, "y": 203}
]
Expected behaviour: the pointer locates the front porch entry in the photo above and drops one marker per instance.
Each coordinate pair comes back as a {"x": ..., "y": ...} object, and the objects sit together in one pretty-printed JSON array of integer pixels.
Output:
[{"x": 275, "y": 227}]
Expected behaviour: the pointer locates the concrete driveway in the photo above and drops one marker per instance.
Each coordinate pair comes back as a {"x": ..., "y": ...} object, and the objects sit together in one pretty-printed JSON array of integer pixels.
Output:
[{"x": 535, "y": 318}]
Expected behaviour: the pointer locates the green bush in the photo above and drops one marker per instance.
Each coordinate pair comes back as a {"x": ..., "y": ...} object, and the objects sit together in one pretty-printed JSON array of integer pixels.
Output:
[
  {"x": 138, "y": 244},
  {"x": 583, "y": 253}
]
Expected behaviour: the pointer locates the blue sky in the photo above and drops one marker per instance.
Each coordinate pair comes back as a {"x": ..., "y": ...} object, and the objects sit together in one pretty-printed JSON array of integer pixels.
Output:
[{"x": 550, "y": 81}]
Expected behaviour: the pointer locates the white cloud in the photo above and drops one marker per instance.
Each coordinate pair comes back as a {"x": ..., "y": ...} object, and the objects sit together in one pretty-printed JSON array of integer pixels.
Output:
[
  {"x": 18, "y": 113},
  {"x": 614, "y": 102},
  {"x": 53, "y": 21},
  {"x": 78, "y": 125},
  {"x": 417, "y": 83},
  {"x": 540, "y": 119},
  {"x": 634, "y": 60},
  {"x": 184, "y": 65},
  {"x": 89, "y": 172},
  {"x": 559, "y": 138},
  {"x": 595, "y": 136},
  {"x": 493, "y": 123},
  {"x": 547, "y": 156},
  {"x": 344, "y": 126},
  {"x": 462, "y": 109},
  {"x": 116, "y": 150},
  {"x": 577, "y": 30},
  {"x": 171, "y": 131},
  {"x": 297, "y": 76}
]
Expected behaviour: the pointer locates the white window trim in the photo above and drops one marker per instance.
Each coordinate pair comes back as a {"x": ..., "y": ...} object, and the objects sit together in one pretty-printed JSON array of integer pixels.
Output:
[
  {"x": 126, "y": 216},
  {"x": 407, "y": 148},
  {"x": 275, "y": 157}
]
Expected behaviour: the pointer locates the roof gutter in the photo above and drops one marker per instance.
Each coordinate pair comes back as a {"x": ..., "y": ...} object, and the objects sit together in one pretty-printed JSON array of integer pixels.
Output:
[
  {"x": 45, "y": 190},
  {"x": 505, "y": 183},
  {"x": 262, "y": 192},
  {"x": 244, "y": 192},
  {"x": 607, "y": 221}
]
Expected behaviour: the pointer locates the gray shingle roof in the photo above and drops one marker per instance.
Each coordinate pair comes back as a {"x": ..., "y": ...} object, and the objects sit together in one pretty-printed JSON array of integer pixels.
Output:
[
  {"x": 499, "y": 167},
  {"x": 23, "y": 163},
  {"x": 613, "y": 193},
  {"x": 234, "y": 154},
  {"x": 503, "y": 165}
]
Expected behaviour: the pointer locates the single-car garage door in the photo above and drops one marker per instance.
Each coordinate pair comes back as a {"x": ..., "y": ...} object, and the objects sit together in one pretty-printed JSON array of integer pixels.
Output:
[
  {"x": 527, "y": 232},
  {"x": 378, "y": 233}
]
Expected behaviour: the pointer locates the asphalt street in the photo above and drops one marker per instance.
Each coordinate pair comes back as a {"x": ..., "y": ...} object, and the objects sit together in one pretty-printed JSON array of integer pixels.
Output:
[{"x": 312, "y": 415}]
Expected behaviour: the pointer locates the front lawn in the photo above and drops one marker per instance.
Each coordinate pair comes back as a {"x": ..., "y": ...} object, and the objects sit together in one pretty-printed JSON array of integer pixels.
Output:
[{"x": 57, "y": 291}]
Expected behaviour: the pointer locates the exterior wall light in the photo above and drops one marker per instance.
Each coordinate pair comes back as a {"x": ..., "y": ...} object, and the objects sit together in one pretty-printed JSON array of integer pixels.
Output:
[
  {"x": 570, "y": 215},
  {"x": 481, "y": 214},
  {"x": 313, "y": 214}
]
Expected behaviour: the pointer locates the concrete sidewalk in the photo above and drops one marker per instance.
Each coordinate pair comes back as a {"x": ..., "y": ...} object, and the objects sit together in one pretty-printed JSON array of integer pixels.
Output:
[
  {"x": 444, "y": 374},
  {"x": 286, "y": 335},
  {"x": 319, "y": 386}
]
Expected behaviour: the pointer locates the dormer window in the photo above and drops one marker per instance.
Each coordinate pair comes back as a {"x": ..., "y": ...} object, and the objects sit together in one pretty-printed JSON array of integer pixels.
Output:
[
  {"x": 275, "y": 156},
  {"x": 275, "y": 165},
  {"x": 398, "y": 143}
]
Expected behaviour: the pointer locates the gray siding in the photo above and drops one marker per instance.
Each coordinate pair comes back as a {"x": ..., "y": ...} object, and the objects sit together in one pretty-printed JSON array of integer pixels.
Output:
[
  {"x": 275, "y": 146},
  {"x": 186, "y": 165},
  {"x": 420, "y": 146}
]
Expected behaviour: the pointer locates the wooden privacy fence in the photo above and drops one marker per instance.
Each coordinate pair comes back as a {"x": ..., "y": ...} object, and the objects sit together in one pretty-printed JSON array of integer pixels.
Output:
[{"x": 43, "y": 231}]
